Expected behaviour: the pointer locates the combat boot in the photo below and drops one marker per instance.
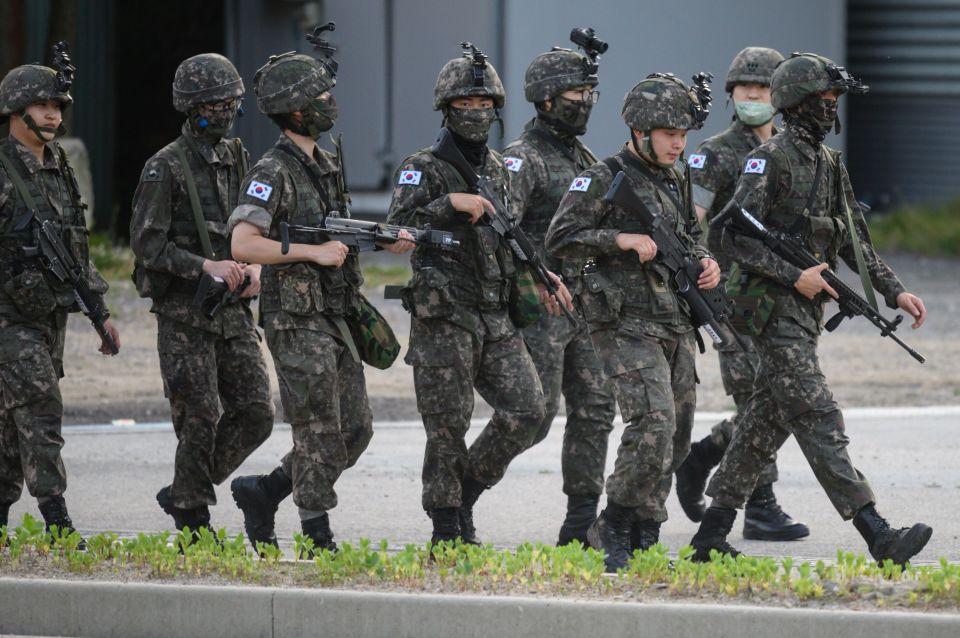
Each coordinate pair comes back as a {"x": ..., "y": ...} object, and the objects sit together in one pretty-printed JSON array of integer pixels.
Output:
[
  {"x": 54, "y": 512},
  {"x": 611, "y": 533},
  {"x": 714, "y": 529},
  {"x": 765, "y": 521},
  {"x": 193, "y": 518},
  {"x": 644, "y": 534},
  {"x": 318, "y": 530},
  {"x": 4, "y": 515},
  {"x": 581, "y": 512},
  {"x": 446, "y": 524},
  {"x": 899, "y": 545},
  {"x": 692, "y": 477},
  {"x": 258, "y": 497},
  {"x": 470, "y": 491}
]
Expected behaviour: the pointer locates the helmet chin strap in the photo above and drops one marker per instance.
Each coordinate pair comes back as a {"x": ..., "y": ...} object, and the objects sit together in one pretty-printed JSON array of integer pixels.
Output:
[
  {"x": 60, "y": 131},
  {"x": 645, "y": 148}
]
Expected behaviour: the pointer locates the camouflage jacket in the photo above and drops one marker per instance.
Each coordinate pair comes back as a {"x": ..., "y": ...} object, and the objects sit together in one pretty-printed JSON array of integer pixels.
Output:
[
  {"x": 775, "y": 186},
  {"x": 288, "y": 186},
  {"x": 163, "y": 232},
  {"x": 543, "y": 166},
  {"x": 586, "y": 226},
  {"x": 27, "y": 293},
  {"x": 478, "y": 273}
]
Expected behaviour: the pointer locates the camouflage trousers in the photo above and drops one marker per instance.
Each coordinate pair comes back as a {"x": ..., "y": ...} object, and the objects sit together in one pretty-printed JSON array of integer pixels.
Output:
[
  {"x": 449, "y": 361},
  {"x": 201, "y": 372},
  {"x": 738, "y": 369},
  {"x": 566, "y": 362},
  {"x": 324, "y": 397},
  {"x": 31, "y": 410},
  {"x": 654, "y": 380},
  {"x": 791, "y": 397}
]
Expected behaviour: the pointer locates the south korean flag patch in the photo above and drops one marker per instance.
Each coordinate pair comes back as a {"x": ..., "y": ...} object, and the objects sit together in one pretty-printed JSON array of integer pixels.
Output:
[
  {"x": 755, "y": 166},
  {"x": 513, "y": 164},
  {"x": 580, "y": 184},
  {"x": 697, "y": 161},
  {"x": 259, "y": 190},
  {"x": 409, "y": 177}
]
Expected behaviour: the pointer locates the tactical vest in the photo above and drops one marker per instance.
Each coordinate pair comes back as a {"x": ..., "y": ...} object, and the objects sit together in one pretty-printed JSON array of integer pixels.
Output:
[{"x": 301, "y": 288}]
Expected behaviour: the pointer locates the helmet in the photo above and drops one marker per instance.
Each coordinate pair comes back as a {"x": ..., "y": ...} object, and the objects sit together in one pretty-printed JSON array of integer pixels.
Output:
[
  {"x": 753, "y": 65},
  {"x": 660, "y": 101},
  {"x": 457, "y": 79},
  {"x": 288, "y": 82},
  {"x": 552, "y": 73},
  {"x": 805, "y": 74},
  {"x": 28, "y": 84},
  {"x": 205, "y": 78}
]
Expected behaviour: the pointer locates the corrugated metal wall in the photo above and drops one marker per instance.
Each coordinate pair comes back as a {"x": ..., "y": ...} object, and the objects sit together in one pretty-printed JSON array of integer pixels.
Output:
[{"x": 904, "y": 137}]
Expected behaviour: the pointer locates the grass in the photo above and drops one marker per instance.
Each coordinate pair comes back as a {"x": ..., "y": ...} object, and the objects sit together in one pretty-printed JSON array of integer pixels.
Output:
[
  {"x": 926, "y": 230},
  {"x": 529, "y": 569}
]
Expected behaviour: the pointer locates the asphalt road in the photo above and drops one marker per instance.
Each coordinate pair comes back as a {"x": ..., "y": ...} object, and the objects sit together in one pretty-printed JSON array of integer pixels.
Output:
[{"x": 909, "y": 455}]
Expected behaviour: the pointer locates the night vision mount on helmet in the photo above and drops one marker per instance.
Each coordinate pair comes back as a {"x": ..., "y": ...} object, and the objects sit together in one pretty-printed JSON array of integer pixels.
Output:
[{"x": 805, "y": 74}]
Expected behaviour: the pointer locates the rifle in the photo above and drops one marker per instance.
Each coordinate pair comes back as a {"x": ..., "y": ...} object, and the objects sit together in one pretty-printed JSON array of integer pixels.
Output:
[
  {"x": 213, "y": 294},
  {"x": 709, "y": 309},
  {"x": 361, "y": 236},
  {"x": 502, "y": 222},
  {"x": 56, "y": 259},
  {"x": 793, "y": 252}
]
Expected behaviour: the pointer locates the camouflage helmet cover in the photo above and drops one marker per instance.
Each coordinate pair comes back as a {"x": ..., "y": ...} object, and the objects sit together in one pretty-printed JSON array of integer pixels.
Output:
[
  {"x": 27, "y": 84},
  {"x": 288, "y": 82},
  {"x": 553, "y": 72},
  {"x": 205, "y": 78},
  {"x": 456, "y": 79},
  {"x": 805, "y": 74},
  {"x": 659, "y": 101},
  {"x": 753, "y": 65}
]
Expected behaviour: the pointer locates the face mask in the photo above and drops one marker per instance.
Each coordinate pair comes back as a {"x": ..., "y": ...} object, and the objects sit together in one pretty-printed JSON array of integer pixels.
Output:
[
  {"x": 471, "y": 124},
  {"x": 754, "y": 114},
  {"x": 321, "y": 117},
  {"x": 819, "y": 114},
  {"x": 570, "y": 116}
]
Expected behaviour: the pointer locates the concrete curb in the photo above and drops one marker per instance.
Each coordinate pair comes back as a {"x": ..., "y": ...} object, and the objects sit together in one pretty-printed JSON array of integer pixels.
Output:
[{"x": 131, "y": 610}]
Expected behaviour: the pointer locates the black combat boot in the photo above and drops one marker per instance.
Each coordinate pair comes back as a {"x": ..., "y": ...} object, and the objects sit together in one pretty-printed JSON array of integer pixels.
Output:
[
  {"x": 446, "y": 524},
  {"x": 899, "y": 545},
  {"x": 692, "y": 477},
  {"x": 644, "y": 534},
  {"x": 54, "y": 512},
  {"x": 258, "y": 497},
  {"x": 194, "y": 518},
  {"x": 714, "y": 529},
  {"x": 611, "y": 533},
  {"x": 765, "y": 521},
  {"x": 4, "y": 515},
  {"x": 318, "y": 530},
  {"x": 581, "y": 512},
  {"x": 470, "y": 491}
]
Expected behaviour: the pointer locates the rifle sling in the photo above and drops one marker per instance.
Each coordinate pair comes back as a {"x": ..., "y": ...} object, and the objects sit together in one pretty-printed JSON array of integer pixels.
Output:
[
  {"x": 198, "y": 218},
  {"x": 344, "y": 329},
  {"x": 857, "y": 248},
  {"x": 21, "y": 221},
  {"x": 657, "y": 181}
]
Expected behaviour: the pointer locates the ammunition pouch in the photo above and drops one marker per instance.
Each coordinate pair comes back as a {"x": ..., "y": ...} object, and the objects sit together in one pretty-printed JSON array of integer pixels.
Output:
[
  {"x": 754, "y": 300},
  {"x": 31, "y": 294},
  {"x": 825, "y": 237},
  {"x": 302, "y": 293},
  {"x": 427, "y": 295},
  {"x": 600, "y": 298}
]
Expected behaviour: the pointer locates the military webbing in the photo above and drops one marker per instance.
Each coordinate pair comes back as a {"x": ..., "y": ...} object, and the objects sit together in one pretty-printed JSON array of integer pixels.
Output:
[
  {"x": 798, "y": 223},
  {"x": 20, "y": 222},
  {"x": 855, "y": 240},
  {"x": 314, "y": 179},
  {"x": 198, "y": 218},
  {"x": 240, "y": 159},
  {"x": 614, "y": 167}
]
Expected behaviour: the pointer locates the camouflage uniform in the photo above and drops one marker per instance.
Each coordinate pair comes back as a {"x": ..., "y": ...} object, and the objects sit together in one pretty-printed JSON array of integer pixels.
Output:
[
  {"x": 34, "y": 306},
  {"x": 205, "y": 363},
  {"x": 545, "y": 165}
]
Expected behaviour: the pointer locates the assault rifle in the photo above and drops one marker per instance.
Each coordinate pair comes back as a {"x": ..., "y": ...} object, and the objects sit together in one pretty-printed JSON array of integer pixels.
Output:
[
  {"x": 709, "y": 309},
  {"x": 213, "y": 294},
  {"x": 793, "y": 252},
  {"x": 502, "y": 222},
  {"x": 56, "y": 259},
  {"x": 361, "y": 236}
]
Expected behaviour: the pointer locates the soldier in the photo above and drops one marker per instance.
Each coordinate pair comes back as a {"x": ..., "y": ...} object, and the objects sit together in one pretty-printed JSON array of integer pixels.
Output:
[
  {"x": 544, "y": 160},
  {"x": 641, "y": 331},
  {"x": 461, "y": 333},
  {"x": 306, "y": 295},
  {"x": 36, "y": 184},
  {"x": 796, "y": 184},
  {"x": 178, "y": 233},
  {"x": 714, "y": 171}
]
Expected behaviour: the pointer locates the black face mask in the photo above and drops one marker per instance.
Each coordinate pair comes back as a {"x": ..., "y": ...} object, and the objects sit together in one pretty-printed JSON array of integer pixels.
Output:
[
  {"x": 817, "y": 115},
  {"x": 568, "y": 116}
]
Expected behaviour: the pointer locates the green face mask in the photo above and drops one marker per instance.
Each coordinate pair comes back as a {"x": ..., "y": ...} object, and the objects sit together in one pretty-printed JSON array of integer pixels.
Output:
[
  {"x": 321, "y": 117},
  {"x": 754, "y": 114},
  {"x": 569, "y": 116},
  {"x": 471, "y": 124}
]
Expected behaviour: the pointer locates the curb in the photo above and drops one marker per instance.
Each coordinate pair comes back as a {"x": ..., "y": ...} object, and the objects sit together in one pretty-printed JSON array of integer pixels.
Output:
[{"x": 132, "y": 610}]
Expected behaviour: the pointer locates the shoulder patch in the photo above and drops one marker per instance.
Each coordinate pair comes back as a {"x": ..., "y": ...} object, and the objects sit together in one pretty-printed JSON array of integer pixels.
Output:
[
  {"x": 409, "y": 177},
  {"x": 755, "y": 165},
  {"x": 259, "y": 190},
  {"x": 513, "y": 163},
  {"x": 154, "y": 173},
  {"x": 580, "y": 184},
  {"x": 697, "y": 160}
]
